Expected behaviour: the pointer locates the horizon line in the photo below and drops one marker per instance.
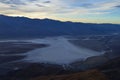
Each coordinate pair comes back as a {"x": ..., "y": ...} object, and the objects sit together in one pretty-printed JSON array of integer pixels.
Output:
[{"x": 60, "y": 20}]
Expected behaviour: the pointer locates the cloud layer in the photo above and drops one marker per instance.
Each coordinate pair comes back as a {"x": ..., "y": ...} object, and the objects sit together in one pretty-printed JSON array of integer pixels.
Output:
[{"x": 62, "y": 9}]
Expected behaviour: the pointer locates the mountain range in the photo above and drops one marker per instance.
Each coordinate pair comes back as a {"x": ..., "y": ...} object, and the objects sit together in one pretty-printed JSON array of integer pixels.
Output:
[{"x": 26, "y": 27}]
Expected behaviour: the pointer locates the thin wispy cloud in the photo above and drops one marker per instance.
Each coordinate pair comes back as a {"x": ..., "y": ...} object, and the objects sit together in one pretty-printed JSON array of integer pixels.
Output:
[
  {"x": 17, "y": 2},
  {"x": 118, "y": 6},
  {"x": 47, "y": 2}
]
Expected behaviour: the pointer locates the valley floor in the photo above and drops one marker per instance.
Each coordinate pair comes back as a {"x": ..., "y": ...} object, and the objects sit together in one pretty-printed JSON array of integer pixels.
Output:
[{"x": 58, "y": 58}]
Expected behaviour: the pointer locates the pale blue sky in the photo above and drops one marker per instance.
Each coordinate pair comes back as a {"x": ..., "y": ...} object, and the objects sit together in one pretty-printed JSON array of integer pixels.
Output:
[{"x": 95, "y": 11}]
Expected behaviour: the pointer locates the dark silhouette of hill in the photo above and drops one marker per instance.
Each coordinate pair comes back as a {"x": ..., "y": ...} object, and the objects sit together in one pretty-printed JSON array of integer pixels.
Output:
[
  {"x": 112, "y": 69},
  {"x": 26, "y": 27}
]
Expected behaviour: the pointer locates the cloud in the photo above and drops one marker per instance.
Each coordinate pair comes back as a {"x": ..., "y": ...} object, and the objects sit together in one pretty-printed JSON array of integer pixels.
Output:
[
  {"x": 17, "y": 2},
  {"x": 118, "y": 6},
  {"x": 47, "y": 2},
  {"x": 39, "y": 5}
]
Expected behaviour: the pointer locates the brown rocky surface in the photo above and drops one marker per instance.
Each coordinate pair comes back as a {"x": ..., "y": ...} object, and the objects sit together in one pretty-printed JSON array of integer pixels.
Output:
[{"x": 87, "y": 75}]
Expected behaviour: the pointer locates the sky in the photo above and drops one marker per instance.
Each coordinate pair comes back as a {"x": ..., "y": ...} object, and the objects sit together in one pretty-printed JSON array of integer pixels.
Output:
[{"x": 88, "y": 11}]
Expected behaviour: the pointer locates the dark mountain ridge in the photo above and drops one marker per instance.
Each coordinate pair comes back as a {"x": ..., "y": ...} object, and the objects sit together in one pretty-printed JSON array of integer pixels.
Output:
[{"x": 26, "y": 27}]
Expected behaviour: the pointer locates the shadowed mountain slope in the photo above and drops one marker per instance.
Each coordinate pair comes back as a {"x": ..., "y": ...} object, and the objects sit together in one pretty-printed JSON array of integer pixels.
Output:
[{"x": 26, "y": 27}]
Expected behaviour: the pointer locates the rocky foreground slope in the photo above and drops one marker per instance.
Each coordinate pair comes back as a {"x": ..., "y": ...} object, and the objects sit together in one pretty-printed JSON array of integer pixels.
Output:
[
  {"x": 108, "y": 71},
  {"x": 87, "y": 75}
]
